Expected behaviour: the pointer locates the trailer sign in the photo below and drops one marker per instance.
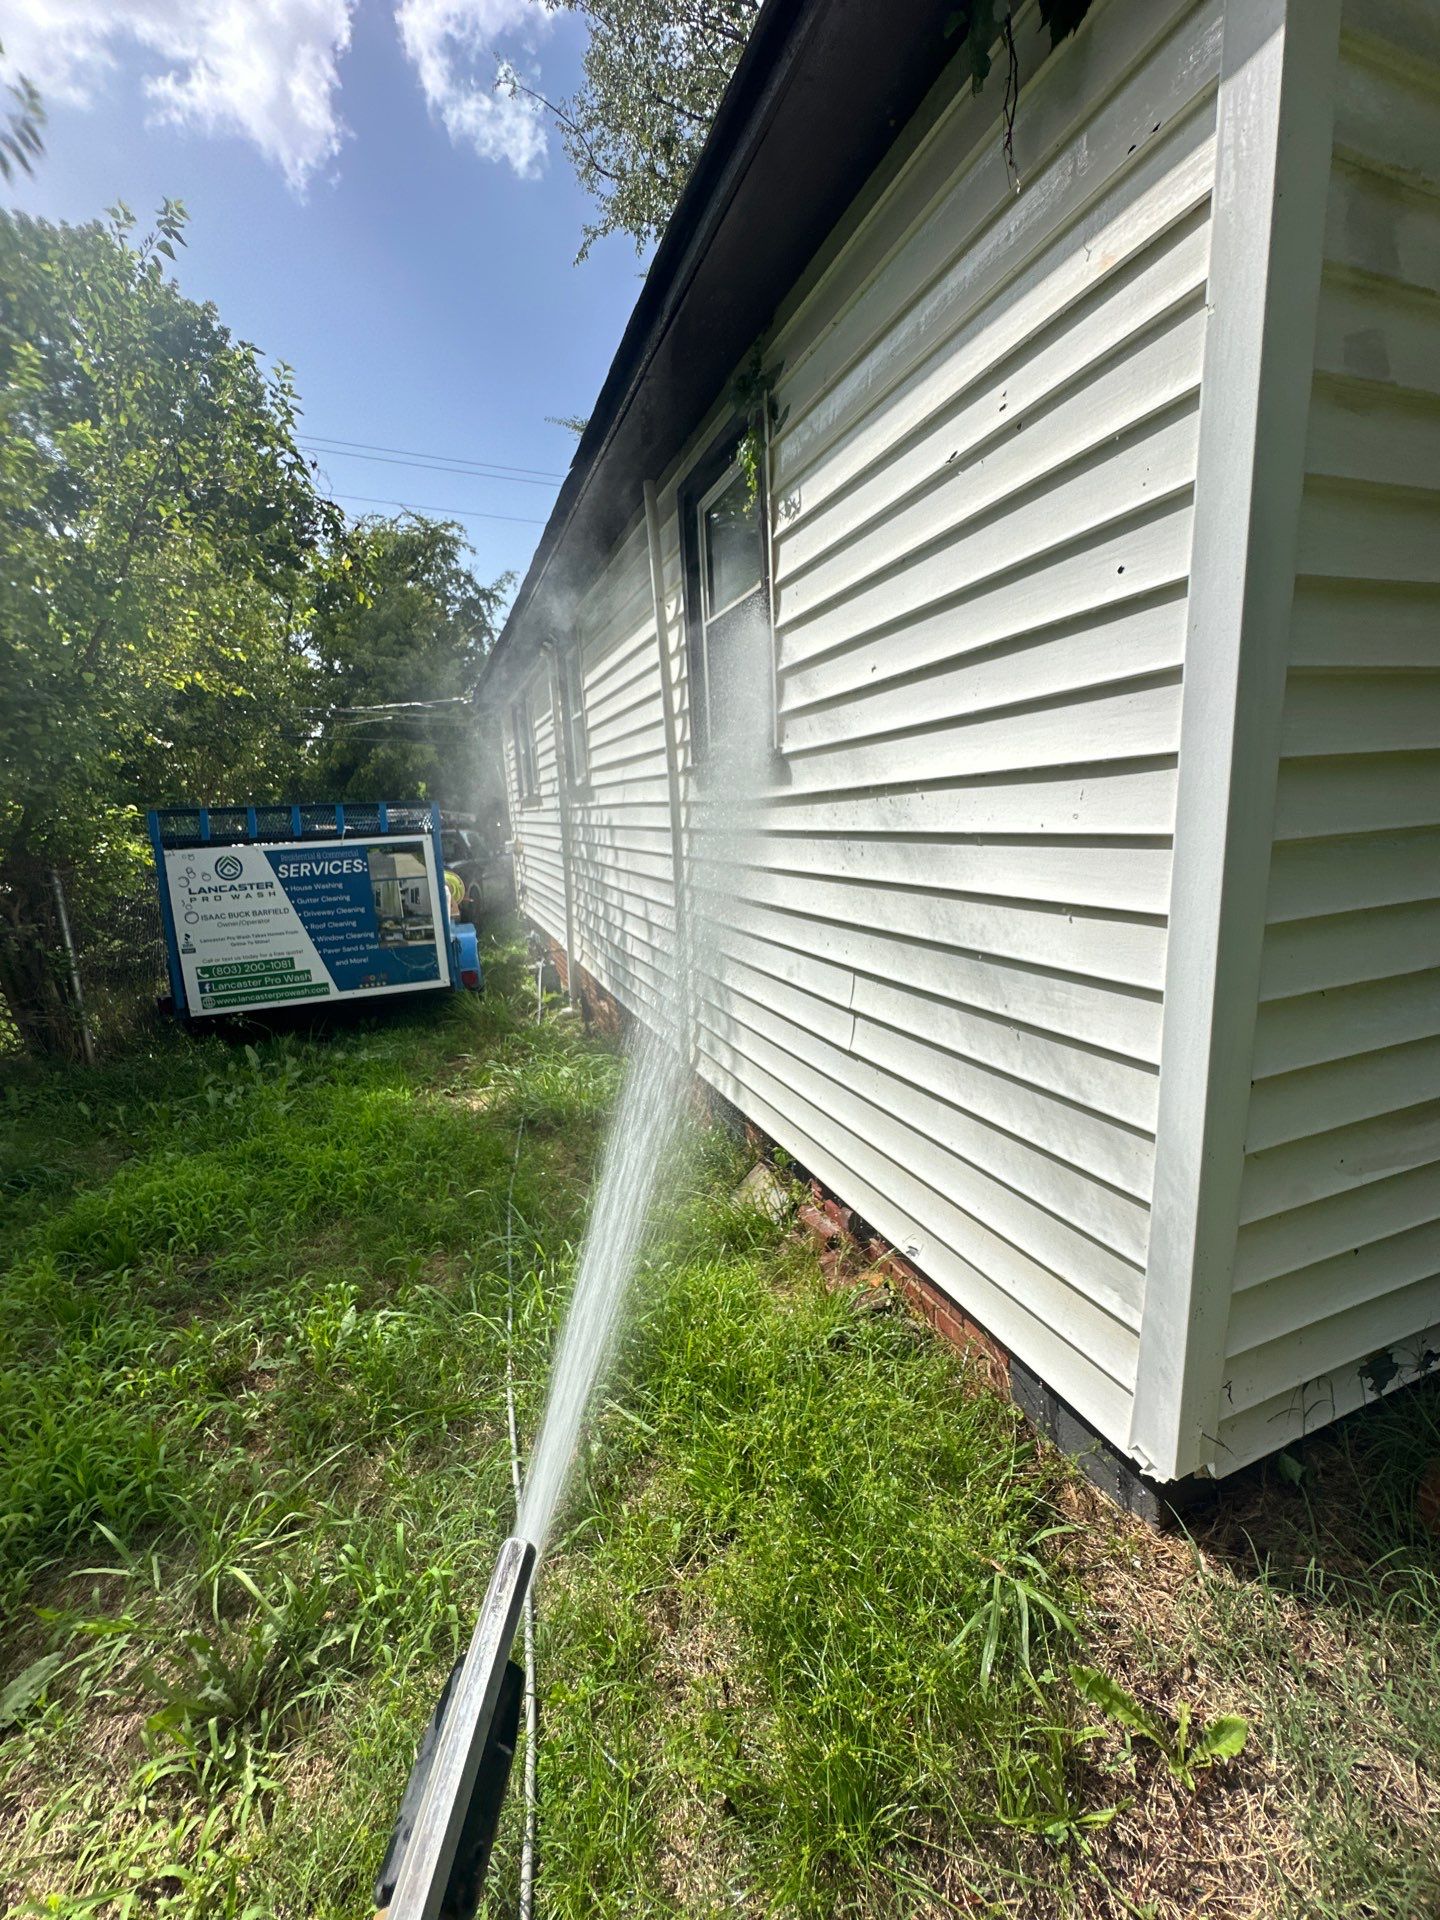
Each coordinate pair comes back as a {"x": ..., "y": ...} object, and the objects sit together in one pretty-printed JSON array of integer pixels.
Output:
[{"x": 265, "y": 925}]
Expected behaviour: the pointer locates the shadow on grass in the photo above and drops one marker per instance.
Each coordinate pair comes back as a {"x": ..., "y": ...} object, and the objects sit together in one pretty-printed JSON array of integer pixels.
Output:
[{"x": 1354, "y": 1509}]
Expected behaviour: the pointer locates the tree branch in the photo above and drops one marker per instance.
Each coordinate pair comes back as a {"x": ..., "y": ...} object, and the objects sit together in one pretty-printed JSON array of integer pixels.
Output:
[{"x": 567, "y": 123}]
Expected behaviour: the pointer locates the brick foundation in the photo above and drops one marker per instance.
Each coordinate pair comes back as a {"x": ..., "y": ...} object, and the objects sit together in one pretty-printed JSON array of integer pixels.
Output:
[{"x": 599, "y": 1010}]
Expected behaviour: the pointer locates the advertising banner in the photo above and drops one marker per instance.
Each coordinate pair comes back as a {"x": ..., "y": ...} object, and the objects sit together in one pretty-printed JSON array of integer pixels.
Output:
[{"x": 262, "y": 926}]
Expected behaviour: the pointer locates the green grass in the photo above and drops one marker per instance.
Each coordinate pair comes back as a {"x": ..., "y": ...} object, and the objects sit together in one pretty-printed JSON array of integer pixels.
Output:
[
  {"x": 770, "y": 1659},
  {"x": 251, "y": 1446},
  {"x": 804, "y": 1633}
]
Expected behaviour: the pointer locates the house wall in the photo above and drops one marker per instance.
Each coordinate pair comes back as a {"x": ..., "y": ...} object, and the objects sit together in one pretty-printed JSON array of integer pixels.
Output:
[
  {"x": 539, "y": 865},
  {"x": 936, "y": 974},
  {"x": 624, "y": 872},
  {"x": 1338, "y": 1253}
]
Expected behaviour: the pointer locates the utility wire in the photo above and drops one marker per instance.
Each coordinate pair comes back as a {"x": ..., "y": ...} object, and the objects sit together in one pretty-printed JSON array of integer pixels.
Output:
[
  {"x": 465, "y": 513},
  {"x": 453, "y": 460},
  {"x": 532, "y": 1713},
  {"x": 505, "y": 477}
]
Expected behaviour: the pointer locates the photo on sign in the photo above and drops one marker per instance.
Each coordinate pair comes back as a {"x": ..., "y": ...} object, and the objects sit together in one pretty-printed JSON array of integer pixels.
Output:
[{"x": 404, "y": 906}]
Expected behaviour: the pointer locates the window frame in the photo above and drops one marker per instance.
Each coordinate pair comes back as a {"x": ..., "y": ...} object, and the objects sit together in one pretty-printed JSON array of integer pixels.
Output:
[
  {"x": 522, "y": 728},
  {"x": 572, "y": 699},
  {"x": 702, "y": 506},
  {"x": 704, "y": 483}
]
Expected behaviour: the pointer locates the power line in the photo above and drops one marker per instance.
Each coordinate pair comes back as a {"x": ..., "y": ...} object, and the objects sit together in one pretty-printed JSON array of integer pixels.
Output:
[
  {"x": 454, "y": 460},
  {"x": 464, "y": 513},
  {"x": 506, "y": 477},
  {"x": 384, "y": 721}
]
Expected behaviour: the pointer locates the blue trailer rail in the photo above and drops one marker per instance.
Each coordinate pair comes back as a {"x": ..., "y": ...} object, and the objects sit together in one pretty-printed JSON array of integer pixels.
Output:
[{"x": 265, "y": 906}]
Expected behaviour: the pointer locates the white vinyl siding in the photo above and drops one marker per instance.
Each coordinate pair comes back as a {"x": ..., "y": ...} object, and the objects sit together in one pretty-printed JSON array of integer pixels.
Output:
[
  {"x": 932, "y": 960},
  {"x": 1338, "y": 1256},
  {"x": 933, "y": 963},
  {"x": 539, "y": 865},
  {"x": 938, "y": 969},
  {"x": 623, "y": 873}
]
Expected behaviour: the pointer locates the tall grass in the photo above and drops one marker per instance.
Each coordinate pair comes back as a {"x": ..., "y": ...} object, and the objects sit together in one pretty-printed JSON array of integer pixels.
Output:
[
  {"x": 252, "y": 1476},
  {"x": 249, "y": 1454}
]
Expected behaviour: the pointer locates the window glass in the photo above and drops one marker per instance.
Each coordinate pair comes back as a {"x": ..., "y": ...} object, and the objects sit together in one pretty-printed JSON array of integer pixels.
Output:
[
  {"x": 575, "y": 716},
  {"x": 524, "y": 749},
  {"x": 730, "y": 663},
  {"x": 731, "y": 543}
]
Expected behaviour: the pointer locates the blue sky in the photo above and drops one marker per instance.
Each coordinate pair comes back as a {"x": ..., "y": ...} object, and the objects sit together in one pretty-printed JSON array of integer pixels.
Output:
[{"x": 364, "y": 205}]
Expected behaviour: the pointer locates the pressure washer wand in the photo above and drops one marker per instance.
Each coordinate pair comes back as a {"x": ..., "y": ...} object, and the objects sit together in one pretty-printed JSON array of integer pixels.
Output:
[{"x": 435, "y": 1865}]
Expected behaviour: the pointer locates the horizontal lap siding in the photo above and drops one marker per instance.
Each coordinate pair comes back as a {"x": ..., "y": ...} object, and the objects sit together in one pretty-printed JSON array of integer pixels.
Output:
[
  {"x": 540, "y": 867},
  {"x": 624, "y": 876},
  {"x": 933, "y": 956},
  {"x": 1339, "y": 1247},
  {"x": 929, "y": 959}
]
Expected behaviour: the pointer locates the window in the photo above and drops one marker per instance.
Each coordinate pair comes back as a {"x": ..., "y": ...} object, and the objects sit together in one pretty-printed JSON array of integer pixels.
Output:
[
  {"x": 572, "y": 695},
  {"x": 730, "y": 544},
  {"x": 727, "y": 618},
  {"x": 524, "y": 732}
]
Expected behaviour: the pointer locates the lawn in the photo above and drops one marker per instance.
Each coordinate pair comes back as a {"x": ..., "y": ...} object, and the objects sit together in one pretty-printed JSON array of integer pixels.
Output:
[{"x": 815, "y": 1629}]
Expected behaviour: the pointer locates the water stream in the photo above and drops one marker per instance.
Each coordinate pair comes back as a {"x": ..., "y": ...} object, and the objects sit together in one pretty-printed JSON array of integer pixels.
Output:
[
  {"x": 725, "y": 828},
  {"x": 651, "y": 1102}
]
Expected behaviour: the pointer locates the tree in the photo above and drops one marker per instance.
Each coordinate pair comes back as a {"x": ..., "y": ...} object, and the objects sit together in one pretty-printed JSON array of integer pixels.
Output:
[
  {"x": 20, "y": 141},
  {"x": 158, "y": 532},
  {"x": 400, "y": 630},
  {"x": 654, "y": 73}
]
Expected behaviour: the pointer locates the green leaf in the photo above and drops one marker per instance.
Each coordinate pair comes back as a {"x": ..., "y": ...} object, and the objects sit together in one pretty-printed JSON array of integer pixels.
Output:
[
  {"x": 992, "y": 1636},
  {"x": 1113, "y": 1699},
  {"x": 1224, "y": 1738},
  {"x": 26, "y": 1688}
]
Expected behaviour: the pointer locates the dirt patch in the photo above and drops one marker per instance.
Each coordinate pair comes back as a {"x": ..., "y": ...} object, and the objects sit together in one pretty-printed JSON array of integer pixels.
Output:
[
  {"x": 38, "y": 1828},
  {"x": 1223, "y": 1621},
  {"x": 473, "y": 1099},
  {"x": 1171, "y": 1850},
  {"x": 699, "y": 1675}
]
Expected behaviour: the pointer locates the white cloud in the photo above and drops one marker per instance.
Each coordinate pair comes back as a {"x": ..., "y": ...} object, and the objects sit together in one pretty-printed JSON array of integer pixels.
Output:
[
  {"x": 265, "y": 69},
  {"x": 452, "y": 46}
]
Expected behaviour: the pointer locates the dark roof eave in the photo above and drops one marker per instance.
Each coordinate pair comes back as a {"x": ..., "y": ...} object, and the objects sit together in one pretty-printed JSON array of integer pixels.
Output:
[{"x": 773, "y": 179}]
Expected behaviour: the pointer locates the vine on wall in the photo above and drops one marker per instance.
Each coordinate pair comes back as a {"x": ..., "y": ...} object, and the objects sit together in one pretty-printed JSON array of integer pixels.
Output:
[
  {"x": 979, "y": 24},
  {"x": 753, "y": 397}
]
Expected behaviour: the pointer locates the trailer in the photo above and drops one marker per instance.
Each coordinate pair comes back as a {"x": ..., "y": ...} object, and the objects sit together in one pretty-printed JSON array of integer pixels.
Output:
[{"x": 277, "y": 906}]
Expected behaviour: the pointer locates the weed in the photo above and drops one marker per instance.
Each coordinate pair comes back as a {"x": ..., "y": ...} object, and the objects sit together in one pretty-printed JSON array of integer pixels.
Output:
[{"x": 1187, "y": 1747}]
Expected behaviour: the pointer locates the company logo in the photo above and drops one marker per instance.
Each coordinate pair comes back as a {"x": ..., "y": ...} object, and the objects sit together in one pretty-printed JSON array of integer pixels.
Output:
[{"x": 227, "y": 867}]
